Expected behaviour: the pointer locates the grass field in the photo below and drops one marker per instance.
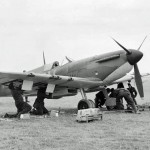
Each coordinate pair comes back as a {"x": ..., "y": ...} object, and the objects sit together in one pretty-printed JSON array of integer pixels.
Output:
[{"x": 117, "y": 131}]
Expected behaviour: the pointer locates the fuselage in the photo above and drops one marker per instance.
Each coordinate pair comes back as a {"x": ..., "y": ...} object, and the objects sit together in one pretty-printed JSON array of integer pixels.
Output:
[
  {"x": 107, "y": 67},
  {"x": 100, "y": 66}
]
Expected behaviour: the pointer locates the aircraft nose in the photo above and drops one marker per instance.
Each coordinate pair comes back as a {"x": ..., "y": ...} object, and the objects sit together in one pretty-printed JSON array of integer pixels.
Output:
[{"x": 134, "y": 57}]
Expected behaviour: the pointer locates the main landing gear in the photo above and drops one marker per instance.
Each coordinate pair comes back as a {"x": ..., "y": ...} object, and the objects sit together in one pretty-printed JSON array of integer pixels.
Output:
[{"x": 85, "y": 103}]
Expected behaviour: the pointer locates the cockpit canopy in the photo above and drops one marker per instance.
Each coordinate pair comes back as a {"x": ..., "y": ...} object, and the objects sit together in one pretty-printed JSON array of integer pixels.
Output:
[
  {"x": 45, "y": 68},
  {"x": 53, "y": 65}
]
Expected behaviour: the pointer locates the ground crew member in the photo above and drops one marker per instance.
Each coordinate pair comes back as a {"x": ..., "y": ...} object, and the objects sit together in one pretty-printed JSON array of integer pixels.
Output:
[
  {"x": 112, "y": 93},
  {"x": 39, "y": 108},
  {"x": 123, "y": 93},
  {"x": 22, "y": 107},
  {"x": 100, "y": 98},
  {"x": 119, "y": 101},
  {"x": 133, "y": 92}
]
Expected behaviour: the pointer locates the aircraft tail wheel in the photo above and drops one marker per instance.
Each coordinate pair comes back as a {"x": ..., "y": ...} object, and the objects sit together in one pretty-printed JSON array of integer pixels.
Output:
[{"x": 85, "y": 104}]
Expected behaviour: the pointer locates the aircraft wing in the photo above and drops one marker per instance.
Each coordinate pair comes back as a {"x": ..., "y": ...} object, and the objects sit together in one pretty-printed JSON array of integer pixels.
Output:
[
  {"x": 129, "y": 78},
  {"x": 40, "y": 79}
]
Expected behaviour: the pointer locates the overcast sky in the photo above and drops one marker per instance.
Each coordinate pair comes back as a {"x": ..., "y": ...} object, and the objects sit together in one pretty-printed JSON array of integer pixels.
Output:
[{"x": 73, "y": 28}]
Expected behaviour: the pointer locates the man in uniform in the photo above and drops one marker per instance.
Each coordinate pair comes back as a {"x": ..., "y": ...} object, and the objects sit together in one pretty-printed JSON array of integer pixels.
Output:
[
  {"x": 123, "y": 93},
  {"x": 22, "y": 107},
  {"x": 100, "y": 98},
  {"x": 133, "y": 92},
  {"x": 39, "y": 108}
]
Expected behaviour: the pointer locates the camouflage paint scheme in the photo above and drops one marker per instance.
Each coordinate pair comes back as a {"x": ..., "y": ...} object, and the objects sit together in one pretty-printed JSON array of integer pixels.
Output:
[{"x": 88, "y": 74}]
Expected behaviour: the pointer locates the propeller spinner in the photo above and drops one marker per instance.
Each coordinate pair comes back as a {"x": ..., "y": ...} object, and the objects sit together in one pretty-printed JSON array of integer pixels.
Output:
[{"x": 133, "y": 56}]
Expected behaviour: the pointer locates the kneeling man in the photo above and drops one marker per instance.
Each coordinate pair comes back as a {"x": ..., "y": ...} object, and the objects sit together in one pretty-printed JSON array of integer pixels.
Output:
[{"x": 22, "y": 107}]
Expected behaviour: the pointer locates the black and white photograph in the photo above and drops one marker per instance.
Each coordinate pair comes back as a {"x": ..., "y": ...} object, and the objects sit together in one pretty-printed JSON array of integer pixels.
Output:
[{"x": 74, "y": 75}]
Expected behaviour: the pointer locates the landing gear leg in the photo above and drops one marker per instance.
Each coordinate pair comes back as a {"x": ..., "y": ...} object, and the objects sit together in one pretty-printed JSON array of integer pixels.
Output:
[
  {"x": 85, "y": 103},
  {"x": 83, "y": 94}
]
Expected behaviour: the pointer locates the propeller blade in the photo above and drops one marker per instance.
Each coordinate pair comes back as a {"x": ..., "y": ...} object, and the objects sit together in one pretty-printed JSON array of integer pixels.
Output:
[
  {"x": 138, "y": 81},
  {"x": 128, "y": 52},
  {"x": 142, "y": 43},
  {"x": 44, "y": 58}
]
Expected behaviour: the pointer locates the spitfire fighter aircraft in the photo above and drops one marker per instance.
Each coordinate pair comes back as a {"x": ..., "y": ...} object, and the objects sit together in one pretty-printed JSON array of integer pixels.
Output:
[{"x": 86, "y": 75}]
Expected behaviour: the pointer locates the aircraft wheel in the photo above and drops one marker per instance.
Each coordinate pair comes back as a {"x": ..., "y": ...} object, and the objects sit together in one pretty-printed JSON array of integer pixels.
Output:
[
  {"x": 85, "y": 104},
  {"x": 92, "y": 103}
]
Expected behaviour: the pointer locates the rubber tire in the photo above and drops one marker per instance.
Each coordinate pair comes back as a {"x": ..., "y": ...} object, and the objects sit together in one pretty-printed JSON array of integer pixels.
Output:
[
  {"x": 85, "y": 104},
  {"x": 92, "y": 103}
]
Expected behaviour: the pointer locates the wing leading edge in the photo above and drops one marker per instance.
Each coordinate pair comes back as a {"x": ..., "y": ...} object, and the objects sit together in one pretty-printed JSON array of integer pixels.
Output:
[{"x": 39, "y": 79}]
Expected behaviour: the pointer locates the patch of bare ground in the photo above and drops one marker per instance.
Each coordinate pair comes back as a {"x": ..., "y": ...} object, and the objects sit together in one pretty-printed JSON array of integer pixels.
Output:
[{"x": 117, "y": 131}]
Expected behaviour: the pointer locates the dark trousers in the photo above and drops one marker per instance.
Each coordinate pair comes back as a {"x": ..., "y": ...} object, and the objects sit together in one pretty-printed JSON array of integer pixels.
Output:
[
  {"x": 23, "y": 108},
  {"x": 39, "y": 110}
]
